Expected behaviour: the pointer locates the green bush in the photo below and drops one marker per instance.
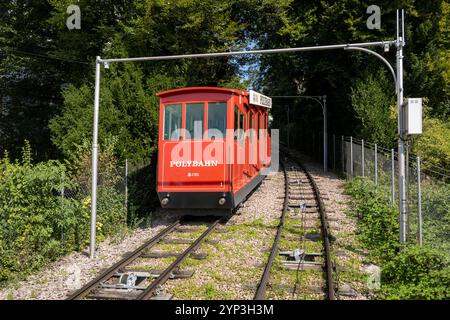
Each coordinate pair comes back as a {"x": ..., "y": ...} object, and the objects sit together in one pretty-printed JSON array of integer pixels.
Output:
[
  {"x": 373, "y": 101},
  {"x": 411, "y": 272},
  {"x": 34, "y": 229},
  {"x": 436, "y": 215},
  {"x": 377, "y": 224},
  {"x": 434, "y": 144},
  {"x": 111, "y": 210},
  {"x": 416, "y": 273},
  {"x": 39, "y": 222}
]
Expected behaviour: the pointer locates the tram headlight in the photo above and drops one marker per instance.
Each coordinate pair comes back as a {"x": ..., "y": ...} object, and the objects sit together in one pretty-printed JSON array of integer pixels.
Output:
[
  {"x": 165, "y": 201},
  {"x": 222, "y": 201}
]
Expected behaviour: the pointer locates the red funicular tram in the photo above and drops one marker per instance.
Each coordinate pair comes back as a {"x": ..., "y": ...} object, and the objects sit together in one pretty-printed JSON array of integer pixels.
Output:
[{"x": 213, "y": 148}]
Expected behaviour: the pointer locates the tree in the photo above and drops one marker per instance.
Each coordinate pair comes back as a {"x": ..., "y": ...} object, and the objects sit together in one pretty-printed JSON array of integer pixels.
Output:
[
  {"x": 376, "y": 109},
  {"x": 301, "y": 23},
  {"x": 128, "y": 109}
]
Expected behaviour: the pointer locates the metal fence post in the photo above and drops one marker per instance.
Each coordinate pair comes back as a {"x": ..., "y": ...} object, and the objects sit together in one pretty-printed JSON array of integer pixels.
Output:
[
  {"x": 419, "y": 202},
  {"x": 342, "y": 154},
  {"x": 351, "y": 156},
  {"x": 362, "y": 157},
  {"x": 126, "y": 185},
  {"x": 334, "y": 152},
  {"x": 376, "y": 165},
  {"x": 62, "y": 206},
  {"x": 393, "y": 177},
  {"x": 407, "y": 173}
]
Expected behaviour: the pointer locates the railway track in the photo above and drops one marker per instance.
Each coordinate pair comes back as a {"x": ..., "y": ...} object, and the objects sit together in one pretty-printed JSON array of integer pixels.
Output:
[
  {"x": 302, "y": 194},
  {"x": 123, "y": 281},
  {"x": 126, "y": 281}
]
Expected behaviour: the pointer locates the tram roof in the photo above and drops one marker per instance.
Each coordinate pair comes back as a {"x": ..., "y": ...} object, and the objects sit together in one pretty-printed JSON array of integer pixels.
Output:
[{"x": 202, "y": 89}]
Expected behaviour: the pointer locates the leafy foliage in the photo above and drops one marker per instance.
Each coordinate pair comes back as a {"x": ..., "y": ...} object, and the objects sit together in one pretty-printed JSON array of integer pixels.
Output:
[
  {"x": 354, "y": 82},
  {"x": 416, "y": 273},
  {"x": 373, "y": 107},
  {"x": 377, "y": 224},
  {"x": 45, "y": 210},
  {"x": 410, "y": 272},
  {"x": 34, "y": 228},
  {"x": 128, "y": 109},
  {"x": 436, "y": 215},
  {"x": 434, "y": 144}
]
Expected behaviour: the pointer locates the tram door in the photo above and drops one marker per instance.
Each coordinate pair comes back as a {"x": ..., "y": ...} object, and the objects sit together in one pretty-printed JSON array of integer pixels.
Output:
[{"x": 239, "y": 148}]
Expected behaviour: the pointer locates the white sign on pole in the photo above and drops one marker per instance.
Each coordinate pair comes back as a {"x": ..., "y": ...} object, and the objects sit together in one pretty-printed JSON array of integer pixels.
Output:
[
  {"x": 260, "y": 99},
  {"x": 414, "y": 116}
]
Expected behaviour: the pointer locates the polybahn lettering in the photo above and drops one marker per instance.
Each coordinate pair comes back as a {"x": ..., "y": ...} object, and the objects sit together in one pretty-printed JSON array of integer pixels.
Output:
[{"x": 192, "y": 153}]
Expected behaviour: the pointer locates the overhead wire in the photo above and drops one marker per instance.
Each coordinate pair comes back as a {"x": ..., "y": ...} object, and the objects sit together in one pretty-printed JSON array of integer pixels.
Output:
[{"x": 39, "y": 55}]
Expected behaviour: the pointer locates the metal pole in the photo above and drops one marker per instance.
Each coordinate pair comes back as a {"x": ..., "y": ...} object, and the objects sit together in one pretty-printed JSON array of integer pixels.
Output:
[
  {"x": 401, "y": 131},
  {"x": 419, "y": 202},
  {"x": 351, "y": 156},
  {"x": 95, "y": 157},
  {"x": 382, "y": 44},
  {"x": 392, "y": 177},
  {"x": 334, "y": 152},
  {"x": 376, "y": 165},
  {"x": 362, "y": 157},
  {"x": 126, "y": 185},
  {"x": 343, "y": 154},
  {"x": 407, "y": 173},
  {"x": 288, "y": 129},
  {"x": 325, "y": 137}
]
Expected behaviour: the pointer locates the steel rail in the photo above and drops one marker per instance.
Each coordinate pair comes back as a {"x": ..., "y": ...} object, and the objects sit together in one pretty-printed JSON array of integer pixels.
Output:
[
  {"x": 165, "y": 275},
  {"x": 262, "y": 287},
  {"x": 325, "y": 233},
  {"x": 85, "y": 290}
]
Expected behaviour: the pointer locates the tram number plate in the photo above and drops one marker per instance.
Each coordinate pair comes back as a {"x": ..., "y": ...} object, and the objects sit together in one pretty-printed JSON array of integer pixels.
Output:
[{"x": 193, "y": 174}]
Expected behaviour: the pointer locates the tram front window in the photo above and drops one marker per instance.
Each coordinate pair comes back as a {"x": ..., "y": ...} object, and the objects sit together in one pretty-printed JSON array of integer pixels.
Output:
[
  {"x": 194, "y": 120},
  {"x": 217, "y": 119},
  {"x": 172, "y": 122}
]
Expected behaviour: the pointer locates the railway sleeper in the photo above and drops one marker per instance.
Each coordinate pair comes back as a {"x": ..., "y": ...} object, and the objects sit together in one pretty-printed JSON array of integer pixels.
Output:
[
  {"x": 287, "y": 288},
  {"x": 307, "y": 204},
  {"x": 176, "y": 274},
  {"x": 302, "y": 265},
  {"x": 298, "y": 259},
  {"x": 298, "y": 289},
  {"x": 314, "y": 237},
  {"x": 112, "y": 294},
  {"x": 301, "y": 197},
  {"x": 187, "y": 229},
  {"x": 298, "y": 254},
  {"x": 303, "y": 208},
  {"x": 186, "y": 241},
  {"x": 132, "y": 280},
  {"x": 304, "y": 227},
  {"x": 166, "y": 254}
]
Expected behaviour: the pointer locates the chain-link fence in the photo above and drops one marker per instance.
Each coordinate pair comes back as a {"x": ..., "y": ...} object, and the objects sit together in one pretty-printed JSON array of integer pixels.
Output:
[
  {"x": 46, "y": 207},
  {"x": 428, "y": 186},
  {"x": 112, "y": 206}
]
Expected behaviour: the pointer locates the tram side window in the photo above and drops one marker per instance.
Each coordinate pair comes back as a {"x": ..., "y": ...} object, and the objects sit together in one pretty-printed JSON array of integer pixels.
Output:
[
  {"x": 217, "y": 119},
  {"x": 241, "y": 127},
  {"x": 258, "y": 125},
  {"x": 172, "y": 122},
  {"x": 194, "y": 120},
  {"x": 251, "y": 126},
  {"x": 236, "y": 121}
]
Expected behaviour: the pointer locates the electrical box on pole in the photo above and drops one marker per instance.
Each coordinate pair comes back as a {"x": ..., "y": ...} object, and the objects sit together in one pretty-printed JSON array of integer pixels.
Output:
[{"x": 413, "y": 110}]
